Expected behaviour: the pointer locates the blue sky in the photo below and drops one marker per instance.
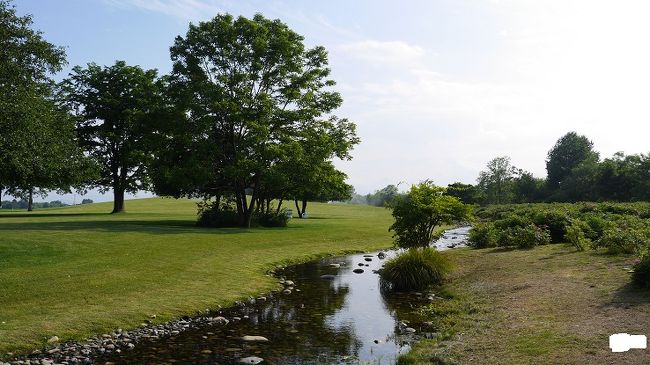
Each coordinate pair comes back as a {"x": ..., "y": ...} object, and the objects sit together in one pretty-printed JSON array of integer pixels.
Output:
[{"x": 437, "y": 88}]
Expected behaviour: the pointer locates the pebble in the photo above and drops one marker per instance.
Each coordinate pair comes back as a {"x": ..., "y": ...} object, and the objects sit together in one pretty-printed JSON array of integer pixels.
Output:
[
  {"x": 357, "y": 271},
  {"x": 248, "y": 338},
  {"x": 251, "y": 360}
]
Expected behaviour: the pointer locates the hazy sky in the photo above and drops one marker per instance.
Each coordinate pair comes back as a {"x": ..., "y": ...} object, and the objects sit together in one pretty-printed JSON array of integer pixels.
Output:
[{"x": 437, "y": 88}]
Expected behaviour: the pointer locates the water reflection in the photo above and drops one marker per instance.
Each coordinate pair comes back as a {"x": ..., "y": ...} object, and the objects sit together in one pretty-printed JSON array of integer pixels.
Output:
[{"x": 342, "y": 319}]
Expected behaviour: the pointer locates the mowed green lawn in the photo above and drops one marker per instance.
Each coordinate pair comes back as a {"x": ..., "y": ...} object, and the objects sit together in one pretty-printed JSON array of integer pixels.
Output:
[{"x": 78, "y": 271}]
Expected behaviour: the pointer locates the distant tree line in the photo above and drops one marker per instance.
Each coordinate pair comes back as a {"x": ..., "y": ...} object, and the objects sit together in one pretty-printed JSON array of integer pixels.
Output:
[
  {"x": 23, "y": 204},
  {"x": 379, "y": 198},
  {"x": 244, "y": 119},
  {"x": 575, "y": 173}
]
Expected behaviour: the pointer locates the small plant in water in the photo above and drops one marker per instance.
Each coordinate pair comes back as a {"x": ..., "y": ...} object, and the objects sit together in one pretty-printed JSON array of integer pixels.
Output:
[{"x": 415, "y": 269}]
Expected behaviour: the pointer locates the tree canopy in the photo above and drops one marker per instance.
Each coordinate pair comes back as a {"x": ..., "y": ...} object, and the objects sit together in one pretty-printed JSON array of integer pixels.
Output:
[
  {"x": 250, "y": 101},
  {"x": 38, "y": 150},
  {"x": 116, "y": 108},
  {"x": 568, "y": 153},
  {"x": 423, "y": 209}
]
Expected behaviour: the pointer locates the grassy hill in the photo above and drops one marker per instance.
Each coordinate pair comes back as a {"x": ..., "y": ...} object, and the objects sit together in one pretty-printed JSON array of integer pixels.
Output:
[{"x": 77, "y": 271}]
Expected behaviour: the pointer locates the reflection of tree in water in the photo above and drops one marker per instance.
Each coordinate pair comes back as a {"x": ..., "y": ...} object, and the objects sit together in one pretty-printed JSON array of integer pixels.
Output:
[
  {"x": 405, "y": 307},
  {"x": 296, "y": 325}
]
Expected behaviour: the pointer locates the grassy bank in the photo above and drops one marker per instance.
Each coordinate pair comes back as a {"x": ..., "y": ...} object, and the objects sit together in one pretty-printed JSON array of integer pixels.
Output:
[
  {"x": 547, "y": 305},
  {"x": 77, "y": 271}
]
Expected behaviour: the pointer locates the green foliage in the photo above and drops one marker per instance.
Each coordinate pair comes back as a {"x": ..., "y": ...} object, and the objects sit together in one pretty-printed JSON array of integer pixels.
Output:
[
  {"x": 116, "y": 108},
  {"x": 272, "y": 219},
  {"x": 214, "y": 215},
  {"x": 556, "y": 222},
  {"x": 568, "y": 153},
  {"x": 614, "y": 227},
  {"x": 383, "y": 197},
  {"x": 625, "y": 237},
  {"x": 523, "y": 237},
  {"x": 421, "y": 210},
  {"x": 250, "y": 101},
  {"x": 495, "y": 181},
  {"x": 641, "y": 275},
  {"x": 415, "y": 269},
  {"x": 223, "y": 214},
  {"x": 38, "y": 151},
  {"x": 575, "y": 235},
  {"x": 482, "y": 235}
]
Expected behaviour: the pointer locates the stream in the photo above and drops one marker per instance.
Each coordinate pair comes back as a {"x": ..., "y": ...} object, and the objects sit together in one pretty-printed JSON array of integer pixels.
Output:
[{"x": 327, "y": 314}]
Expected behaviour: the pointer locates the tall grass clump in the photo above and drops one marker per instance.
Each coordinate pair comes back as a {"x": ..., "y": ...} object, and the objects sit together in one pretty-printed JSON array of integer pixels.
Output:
[{"x": 415, "y": 269}]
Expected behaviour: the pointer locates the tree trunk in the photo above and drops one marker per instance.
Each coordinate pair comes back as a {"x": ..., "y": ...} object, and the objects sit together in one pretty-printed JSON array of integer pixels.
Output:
[
  {"x": 304, "y": 206},
  {"x": 298, "y": 208},
  {"x": 30, "y": 200},
  {"x": 118, "y": 200},
  {"x": 277, "y": 211}
]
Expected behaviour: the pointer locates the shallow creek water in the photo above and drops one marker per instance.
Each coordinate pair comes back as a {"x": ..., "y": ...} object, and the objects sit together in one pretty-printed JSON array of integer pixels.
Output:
[{"x": 339, "y": 318}]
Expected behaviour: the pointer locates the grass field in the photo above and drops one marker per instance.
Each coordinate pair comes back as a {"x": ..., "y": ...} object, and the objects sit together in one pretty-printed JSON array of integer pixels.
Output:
[
  {"x": 547, "y": 305},
  {"x": 77, "y": 271}
]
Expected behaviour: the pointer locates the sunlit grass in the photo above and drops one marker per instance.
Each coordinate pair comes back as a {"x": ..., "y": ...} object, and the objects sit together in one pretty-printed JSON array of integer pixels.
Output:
[{"x": 77, "y": 271}]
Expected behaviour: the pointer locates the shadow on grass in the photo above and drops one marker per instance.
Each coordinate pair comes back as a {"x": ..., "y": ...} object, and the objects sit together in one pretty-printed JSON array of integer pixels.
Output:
[
  {"x": 169, "y": 226},
  {"x": 49, "y": 215},
  {"x": 557, "y": 254},
  {"x": 504, "y": 249},
  {"x": 629, "y": 295}
]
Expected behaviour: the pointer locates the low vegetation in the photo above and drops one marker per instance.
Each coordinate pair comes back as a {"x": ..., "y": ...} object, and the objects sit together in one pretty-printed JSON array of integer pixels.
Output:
[{"x": 415, "y": 269}]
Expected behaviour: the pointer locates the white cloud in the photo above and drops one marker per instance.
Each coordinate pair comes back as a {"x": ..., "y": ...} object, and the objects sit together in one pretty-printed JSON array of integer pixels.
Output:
[
  {"x": 182, "y": 9},
  {"x": 375, "y": 52}
]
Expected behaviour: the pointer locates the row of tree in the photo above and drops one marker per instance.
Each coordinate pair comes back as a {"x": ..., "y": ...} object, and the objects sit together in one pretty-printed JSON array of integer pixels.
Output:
[
  {"x": 575, "y": 172},
  {"x": 244, "y": 118}
]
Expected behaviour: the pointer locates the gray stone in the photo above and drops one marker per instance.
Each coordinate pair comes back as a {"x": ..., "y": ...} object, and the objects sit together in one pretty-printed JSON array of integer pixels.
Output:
[
  {"x": 251, "y": 360},
  {"x": 53, "y": 339},
  {"x": 255, "y": 339},
  {"x": 357, "y": 271},
  {"x": 327, "y": 277}
]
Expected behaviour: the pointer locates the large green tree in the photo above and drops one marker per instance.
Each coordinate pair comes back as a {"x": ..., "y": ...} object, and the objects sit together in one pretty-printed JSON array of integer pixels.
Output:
[
  {"x": 38, "y": 149},
  {"x": 245, "y": 89},
  {"x": 569, "y": 151},
  {"x": 495, "y": 182},
  {"x": 117, "y": 108}
]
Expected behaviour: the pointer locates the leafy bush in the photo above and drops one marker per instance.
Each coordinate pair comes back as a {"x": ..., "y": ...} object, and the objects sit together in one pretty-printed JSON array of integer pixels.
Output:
[
  {"x": 524, "y": 237},
  {"x": 575, "y": 235},
  {"x": 210, "y": 215},
  {"x": 556, "y": 221},
  {"x": 415, "y": 269},
  {"x": 641, "y": 275},
  {"x": 625, "y": 238},
  {"x": 272, "y": 219},
  {"x": 512, "y": 221},
  {"x": 482, "y": 235}
]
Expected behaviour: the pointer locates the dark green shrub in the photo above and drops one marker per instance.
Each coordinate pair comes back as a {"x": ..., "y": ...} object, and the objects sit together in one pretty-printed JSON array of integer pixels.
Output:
[
  {"x": 524, "y": 237},
  {"x": 272, "y": 219},
  {"x": 211, "y": 215},
  {"x": 641, "y": 275},
  {"x": 575, "y": 235},
  {"x": 555, "y": 220},
  {"x": 482, "y": 235},
  {"x": 597, "y": 225},
  {"x": 415, "y": 269},
  {"x": 618, "y": 240},
  {"x": 511, "y": 221}
]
